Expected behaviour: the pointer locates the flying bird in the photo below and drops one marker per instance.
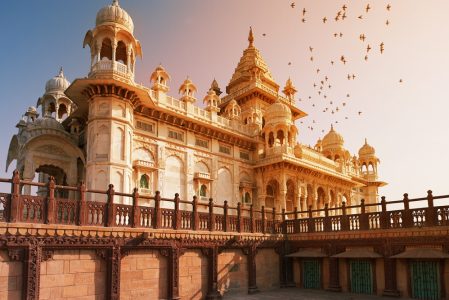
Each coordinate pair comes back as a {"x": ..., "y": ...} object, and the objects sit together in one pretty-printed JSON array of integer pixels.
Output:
[
  {"x": 310, "y": 49},
  {"x": 387, "y": 23},
  {"x": 349, "y": 77},
  {"x": 263, "y": 34},
  {"x": 362, "y": 37},
  {"x": 368, "y": 48},
  {"x": 360, "y": 17},
  {"x": 332, "y": 62},
  {"x": 304, "y": 11},
  {"x": 388, "y": 7},
  {"x": 303, "y": 20},
  {"x": 367, "y": 7},
  {"x": 311, "y": 58},
  {"x": 317, "y": 71},
  {"x": 341, "y": 34},
  {"x": 343, "y": 60},
  {"x": 366, "y": 57},
  {"x": 360, "y": 113},
  {"x": 344, "y": 7},
  {"x": 382, "y": 47},
  {"x": 343, "y": 16},
  {"x": 401, "y": 81},
  {"x": 353, "y": 76},
  {"x": 326, "y": 78},
  {"x": 292, "y": 5},
  {"x": 289, "y": 63},
  {"x": 324, "y": 20}
]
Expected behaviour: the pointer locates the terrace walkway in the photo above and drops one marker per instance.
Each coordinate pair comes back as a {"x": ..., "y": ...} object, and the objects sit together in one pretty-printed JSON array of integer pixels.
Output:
[{"x": 303, "y": 294}]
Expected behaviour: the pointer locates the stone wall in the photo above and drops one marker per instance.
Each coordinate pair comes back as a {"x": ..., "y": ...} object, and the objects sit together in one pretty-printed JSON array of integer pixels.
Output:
[
  {"x": 193, "y": 275},
  {"x": 232, "y": 272},
  {"x": 10, "y": 278},
  {"x": 143, "y": 275},
  {"x": 73, "y": 274},
  {"x": 267, "y": 269}
]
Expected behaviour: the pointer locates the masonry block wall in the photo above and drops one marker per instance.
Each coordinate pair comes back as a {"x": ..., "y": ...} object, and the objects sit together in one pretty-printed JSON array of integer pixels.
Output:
[
  {"x": 143, "y": 275},
  {"x": 10, "y": 278},
  {"x": 193, "y": 275},
  {"x": 232, "y": 272},
  {"x": 73, "y": 274},
  {"x": 267, "y": 266}
]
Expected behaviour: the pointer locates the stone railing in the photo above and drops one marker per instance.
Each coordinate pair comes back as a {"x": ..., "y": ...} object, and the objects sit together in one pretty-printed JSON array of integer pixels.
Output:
[
  {"x": 109, "y": 66},
  {"x": 163, "y": 213}
]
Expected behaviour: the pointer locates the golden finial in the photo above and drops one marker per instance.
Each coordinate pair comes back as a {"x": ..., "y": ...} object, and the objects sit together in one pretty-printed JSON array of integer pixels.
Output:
[
  {"x": 115, "y": 2},
  {"x": 250, "y": 37}
]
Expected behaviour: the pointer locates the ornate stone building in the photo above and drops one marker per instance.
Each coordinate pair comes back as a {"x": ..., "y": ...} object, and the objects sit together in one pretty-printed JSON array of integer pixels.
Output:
[{"x": 243, "y": 146}]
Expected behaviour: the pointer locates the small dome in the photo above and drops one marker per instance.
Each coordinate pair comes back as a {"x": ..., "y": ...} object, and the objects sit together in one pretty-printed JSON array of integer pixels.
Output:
[
  {"x": 278, "y": 113},
  {"x": 159, "y": 72},
  {"x": 113, "y": 13},
  {"x": 367, "y": 150},
  {"x": 57, "y": 83},
  {"x": 187, "y": 85},
  {"x": 332, "y": 140},
  {"x": 48, "y": 123}
]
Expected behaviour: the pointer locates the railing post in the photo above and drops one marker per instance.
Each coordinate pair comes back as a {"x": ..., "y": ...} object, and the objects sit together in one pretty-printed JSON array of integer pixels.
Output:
[
  {"x": 195, "y": 221},
  {"x": 407, "y": 220},
  {"x": 344, "y": 217},
  {"x": 50, "y": 207},
  {"x": 431, "y": 215},
  {"x": 239, "y": 218},
  {"x": 296, "y": 226},
  {"x": 310, "y": 223},
  {"x": 82, "y": 204},
  {"x": 225, "y": 216},
  {"x": 252, "y": 219},
  {"x": 384, "y": 219},
  {"x": 177, "y": 216},
  {"x": 15, "y": 207},
  {"x": 284, "y": 223},
  {"x": 157, "y": 211},
  {"x": 364, "y": 223},
  {"x": 136, "y": 209},
  {"x": 264, "y": 220},
  {"x": 211, "y": 215},
  {"x": 273, "y": 225},
  {"x": 327, "y": 223},
  {"x": 110, "y": 206}
]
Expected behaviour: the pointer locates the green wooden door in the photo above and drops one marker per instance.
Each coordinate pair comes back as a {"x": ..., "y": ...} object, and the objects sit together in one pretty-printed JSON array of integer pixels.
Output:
[
  {"x": 311, "y": 273},
  {"x": 361, "y": 276},
  {"x": 425, "y": 280}
]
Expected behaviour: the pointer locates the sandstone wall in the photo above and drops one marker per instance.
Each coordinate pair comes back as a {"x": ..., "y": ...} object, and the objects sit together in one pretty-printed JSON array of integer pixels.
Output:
[
  {"x": 10, "y": 278},
  {"x": 232, "y": 272},
  {"x": 73, "y": 274},
  {"x": 193, "y": 275},
  {"x": 143, "y": 275},
  {"x": 267, "y": 269}
]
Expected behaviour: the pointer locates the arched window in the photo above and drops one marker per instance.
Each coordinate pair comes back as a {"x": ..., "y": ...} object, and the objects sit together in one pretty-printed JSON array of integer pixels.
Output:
[
  {"x": 106, "y": 49},
  {"x": 120, "y": 53},
  {"x": 247, "y": 198},
  {"x": 62, "y": 111},
  {"x": 144, "y": 182},
  {"x": 203, "y": 191}
]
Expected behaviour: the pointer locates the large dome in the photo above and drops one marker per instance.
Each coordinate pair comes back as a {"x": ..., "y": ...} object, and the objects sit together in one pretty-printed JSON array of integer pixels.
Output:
[
  {"x": 113, "y": 13},
  {"x": 332, "y": 140},
  {"x": 278, "y": 113},
  {"x": 367, "y": 150},
  {"x": 57, "y": 83}
]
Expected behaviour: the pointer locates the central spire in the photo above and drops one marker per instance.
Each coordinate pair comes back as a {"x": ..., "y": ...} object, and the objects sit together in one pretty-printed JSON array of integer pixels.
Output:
[
  {"x": 250, "y": 37},
  {"x": 115, "y": 3}
]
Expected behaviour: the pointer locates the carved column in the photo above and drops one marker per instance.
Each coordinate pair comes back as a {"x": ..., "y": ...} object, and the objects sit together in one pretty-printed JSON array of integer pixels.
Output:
[
  {"x": 113, "y": 266},
  {"x": 334, "y": 275},
  {"x": 31, "y": 271},
  {"x": 172, "y": 255},
  {"x": 285, "y": 267},
  {"x": 251, "y": 253},
  {"x": 391, "y": 289},
  {"x": 212, "y": 273}
]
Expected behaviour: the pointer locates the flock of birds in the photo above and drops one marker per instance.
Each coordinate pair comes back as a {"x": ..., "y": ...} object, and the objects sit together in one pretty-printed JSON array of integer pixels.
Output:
[{"x": 328, "y": 103}]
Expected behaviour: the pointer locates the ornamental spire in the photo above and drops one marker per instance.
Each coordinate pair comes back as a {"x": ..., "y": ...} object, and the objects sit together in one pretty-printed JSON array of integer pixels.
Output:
[
  {"x": 250, "y": 37},
  {"x": 115, "y": 3}
]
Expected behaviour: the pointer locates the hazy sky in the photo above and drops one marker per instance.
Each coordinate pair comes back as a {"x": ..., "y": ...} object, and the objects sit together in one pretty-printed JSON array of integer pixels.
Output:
[{"x": 406, "y": 122}]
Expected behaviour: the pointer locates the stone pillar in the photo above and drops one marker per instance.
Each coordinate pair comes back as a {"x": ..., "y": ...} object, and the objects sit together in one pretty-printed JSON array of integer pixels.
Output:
[
  {"x": 251, "y": 253},
  {"x": 113, "y": 276},
  {"x": 31, "y": 271},
  {"x": 334, "y": 275},
  {"x": 172, "y": 255},
  {"x": 212, "y": 273}
]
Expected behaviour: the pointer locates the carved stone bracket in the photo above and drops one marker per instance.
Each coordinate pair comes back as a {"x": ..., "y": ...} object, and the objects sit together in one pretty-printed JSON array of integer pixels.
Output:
[
  {"x": 47, "y": 254},
  {"x": 16, "y": 254}
]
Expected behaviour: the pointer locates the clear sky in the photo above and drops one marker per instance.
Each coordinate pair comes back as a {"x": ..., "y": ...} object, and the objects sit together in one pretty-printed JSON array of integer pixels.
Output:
[{"x": 406, "y": 122}]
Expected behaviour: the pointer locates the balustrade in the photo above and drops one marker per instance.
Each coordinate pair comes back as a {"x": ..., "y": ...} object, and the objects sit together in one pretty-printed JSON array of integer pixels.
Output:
[{"x": 205, "y": 216}]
